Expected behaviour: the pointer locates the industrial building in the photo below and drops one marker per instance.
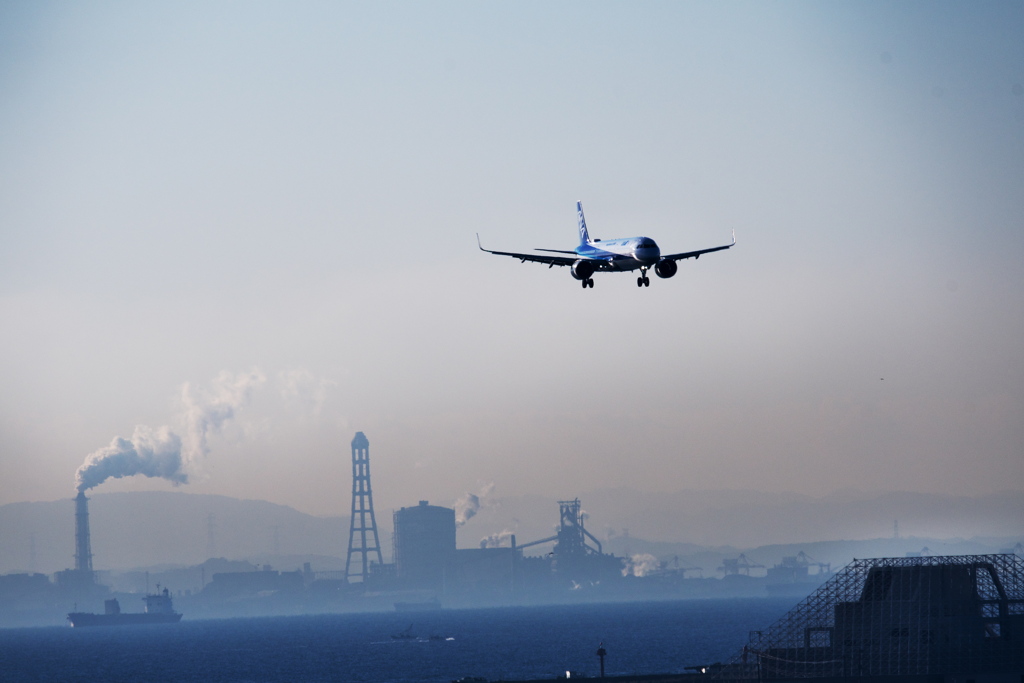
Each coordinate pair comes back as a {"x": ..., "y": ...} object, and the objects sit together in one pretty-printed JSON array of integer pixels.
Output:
[
  {"x": 424, "y": 545},
  {"x": 225, "y": 585},
  {"x": 913, "y": 616},
  {"x": 426, "y": 557},
  {"x": 577, "y": 556}
]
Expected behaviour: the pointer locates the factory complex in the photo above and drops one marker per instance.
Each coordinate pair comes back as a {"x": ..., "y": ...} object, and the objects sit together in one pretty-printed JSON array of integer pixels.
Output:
[
  {"x": 427, "y": 571},
  {"x": 928, "y": 619}
]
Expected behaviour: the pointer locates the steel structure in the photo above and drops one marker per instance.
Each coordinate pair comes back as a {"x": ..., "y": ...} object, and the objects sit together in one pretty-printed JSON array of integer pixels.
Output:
[
  {"x": 740, "y": 565},
  {"x": 572, "y": 536},
  {"x": 578, "y": 557},
  {"x": 571, "y": 539},
  {"x": 898, "y": 616},
  {"x": 363, "y": 539}
]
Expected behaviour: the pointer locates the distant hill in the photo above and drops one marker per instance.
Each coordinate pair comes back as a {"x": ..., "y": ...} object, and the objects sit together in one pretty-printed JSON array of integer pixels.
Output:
[{"x": 153, "y": 528}]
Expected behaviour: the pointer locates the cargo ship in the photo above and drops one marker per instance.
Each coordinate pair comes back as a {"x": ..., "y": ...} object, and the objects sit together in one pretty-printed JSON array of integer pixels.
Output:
[{"x": 159, "y": 610}]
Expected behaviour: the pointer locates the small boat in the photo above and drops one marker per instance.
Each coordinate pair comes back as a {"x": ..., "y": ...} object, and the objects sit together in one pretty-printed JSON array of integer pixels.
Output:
[{"x": 407, "y": 634}]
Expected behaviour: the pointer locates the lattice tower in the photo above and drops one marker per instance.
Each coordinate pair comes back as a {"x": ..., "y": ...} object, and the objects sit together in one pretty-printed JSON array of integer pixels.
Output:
[{"x": 363, "y": 539}]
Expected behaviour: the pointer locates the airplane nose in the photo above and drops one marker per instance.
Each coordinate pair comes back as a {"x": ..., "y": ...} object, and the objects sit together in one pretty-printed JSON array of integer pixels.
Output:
[{"x": 647, "y": 254}]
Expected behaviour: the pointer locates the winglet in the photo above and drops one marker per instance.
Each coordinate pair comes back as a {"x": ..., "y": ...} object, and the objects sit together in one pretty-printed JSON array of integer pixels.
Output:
[
  {"x": 482, "y": 246},
  {"x": 733, "y": 236}
]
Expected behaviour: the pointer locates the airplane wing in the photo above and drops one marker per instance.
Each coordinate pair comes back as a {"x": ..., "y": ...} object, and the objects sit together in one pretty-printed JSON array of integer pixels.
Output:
[
  {"x": 538, "y": 258},
  {"x": 696, "y": 254}
]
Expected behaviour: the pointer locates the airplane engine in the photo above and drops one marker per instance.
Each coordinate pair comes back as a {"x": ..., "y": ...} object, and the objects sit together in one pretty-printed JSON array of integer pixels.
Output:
[
  {"x": 582, "y": 269},
  {"x": 666, "y": 268}
]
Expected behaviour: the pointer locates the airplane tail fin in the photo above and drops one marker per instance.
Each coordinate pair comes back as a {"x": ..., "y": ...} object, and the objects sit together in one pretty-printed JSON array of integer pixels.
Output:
[{"x": 584, "y": 235}]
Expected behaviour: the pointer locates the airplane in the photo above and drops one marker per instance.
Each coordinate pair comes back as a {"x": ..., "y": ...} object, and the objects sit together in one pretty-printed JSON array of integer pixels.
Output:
[{"x": 625, "y": 254}]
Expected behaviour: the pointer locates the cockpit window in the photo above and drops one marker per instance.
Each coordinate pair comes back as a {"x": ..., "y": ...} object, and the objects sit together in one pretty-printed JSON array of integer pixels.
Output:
[{"x": 647, "y": 243}]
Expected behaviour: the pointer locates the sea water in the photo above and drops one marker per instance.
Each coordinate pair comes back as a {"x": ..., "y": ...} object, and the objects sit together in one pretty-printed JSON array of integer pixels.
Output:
[{"x": 436, "y": 647}]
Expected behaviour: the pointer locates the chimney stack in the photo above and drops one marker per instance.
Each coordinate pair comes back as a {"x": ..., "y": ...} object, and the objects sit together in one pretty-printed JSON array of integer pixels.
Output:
[{"x": 83, "y": 548}]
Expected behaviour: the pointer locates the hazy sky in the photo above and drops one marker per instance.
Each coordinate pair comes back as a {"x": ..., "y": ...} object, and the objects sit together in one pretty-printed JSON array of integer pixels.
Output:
[{"x": 289, "y": 192}]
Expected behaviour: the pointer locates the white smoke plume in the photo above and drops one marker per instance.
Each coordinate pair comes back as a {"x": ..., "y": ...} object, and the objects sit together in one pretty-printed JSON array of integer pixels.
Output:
[
  {"x": 302, "y": 391},
  {"x": 153, "y": 453},
  {"x": 207, "y": 411},
  {"x": 496, "y": 540},
  {"x": 468, "y": 505},
  {"x": 466, "y": 508},
  {"x": 641, "y": 565},
  {"x": 162, "y": 453}
]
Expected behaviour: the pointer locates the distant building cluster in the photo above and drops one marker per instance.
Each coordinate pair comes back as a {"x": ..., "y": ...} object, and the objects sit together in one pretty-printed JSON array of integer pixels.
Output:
[
  {"x": 428, "y": 570},
  {"x": 426, "y": 557}
]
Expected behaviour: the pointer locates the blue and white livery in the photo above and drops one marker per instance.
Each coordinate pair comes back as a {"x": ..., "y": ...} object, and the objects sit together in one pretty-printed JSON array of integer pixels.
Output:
[{"x": 630, "y": 253}]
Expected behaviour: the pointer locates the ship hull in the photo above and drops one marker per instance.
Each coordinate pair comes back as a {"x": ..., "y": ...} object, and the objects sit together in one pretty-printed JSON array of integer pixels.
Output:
[
  {"x": 83, "y": 619},
  {"x": 422, "y": 606}
]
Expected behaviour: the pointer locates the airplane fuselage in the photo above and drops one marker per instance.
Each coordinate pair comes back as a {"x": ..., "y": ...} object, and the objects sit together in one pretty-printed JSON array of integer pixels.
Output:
[{"x": 622, "y": 254}]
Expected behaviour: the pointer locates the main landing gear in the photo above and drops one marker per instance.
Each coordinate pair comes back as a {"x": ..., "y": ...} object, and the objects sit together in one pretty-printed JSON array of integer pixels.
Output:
[
  {"x": 589, "y": 282},
  {"x": 643, "y": 280}
]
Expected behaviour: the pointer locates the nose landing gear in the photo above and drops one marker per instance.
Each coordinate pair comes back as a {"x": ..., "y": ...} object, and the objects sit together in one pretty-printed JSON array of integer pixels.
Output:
[{"x": 643, "y": 280}]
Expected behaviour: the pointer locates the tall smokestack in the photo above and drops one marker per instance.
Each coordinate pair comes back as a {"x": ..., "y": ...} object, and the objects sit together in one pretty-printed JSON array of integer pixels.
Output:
[{"x": 83, "y": 548}]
